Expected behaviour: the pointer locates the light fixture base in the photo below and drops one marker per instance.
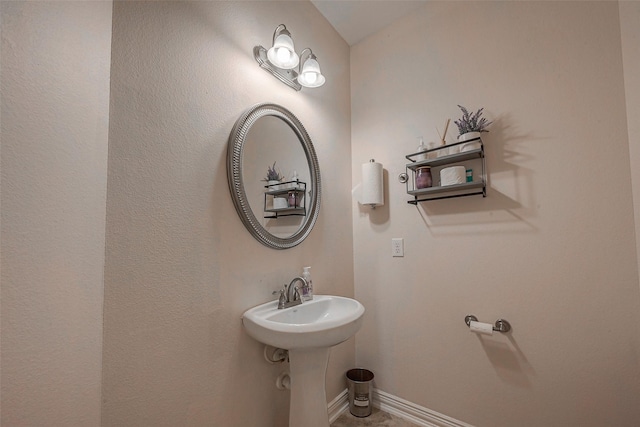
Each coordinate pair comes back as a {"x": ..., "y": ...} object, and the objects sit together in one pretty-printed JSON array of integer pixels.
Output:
[{"x": 285, "y": 76}]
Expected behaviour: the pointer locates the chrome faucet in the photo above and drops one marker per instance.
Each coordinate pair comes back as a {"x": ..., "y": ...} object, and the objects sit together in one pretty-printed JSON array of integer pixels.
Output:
[{"x": 290, "y": 294}]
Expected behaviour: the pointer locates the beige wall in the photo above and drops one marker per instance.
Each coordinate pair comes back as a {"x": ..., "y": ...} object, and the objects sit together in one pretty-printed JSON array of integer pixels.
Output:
[
  {"x": 180, "y": 266},
  {"x": 551, "y": 248},
  {"x": 55, "y": 110},
  {"x": 630, "y": 31}
]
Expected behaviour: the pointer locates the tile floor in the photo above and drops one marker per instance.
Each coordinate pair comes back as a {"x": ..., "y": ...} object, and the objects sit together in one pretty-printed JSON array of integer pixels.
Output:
[{"x": 377, "y": 418}]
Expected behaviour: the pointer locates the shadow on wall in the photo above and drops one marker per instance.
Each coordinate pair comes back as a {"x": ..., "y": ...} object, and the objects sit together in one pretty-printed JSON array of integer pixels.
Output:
[
  {"x": 508, "y": 361},
  {"x": 510, "y": 200}
]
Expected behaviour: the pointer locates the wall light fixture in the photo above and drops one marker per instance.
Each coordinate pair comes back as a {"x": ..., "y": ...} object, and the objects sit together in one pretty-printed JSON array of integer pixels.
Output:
[{"x": 282, "y": 61}]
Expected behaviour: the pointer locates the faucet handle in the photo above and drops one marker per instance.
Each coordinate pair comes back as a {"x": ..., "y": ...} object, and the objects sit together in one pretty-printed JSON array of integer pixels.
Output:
[
  {"x": 282, "y": 299},
  {"x": 279, "y": 291}
]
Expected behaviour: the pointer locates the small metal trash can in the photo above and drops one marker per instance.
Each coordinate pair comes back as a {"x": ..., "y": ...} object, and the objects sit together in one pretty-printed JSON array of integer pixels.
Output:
[{"x": 359, "y": 384}]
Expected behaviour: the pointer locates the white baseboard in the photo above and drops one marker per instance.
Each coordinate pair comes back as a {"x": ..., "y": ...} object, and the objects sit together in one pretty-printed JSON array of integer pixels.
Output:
[
  {"x": 394, "y": 405},
  {"x": 338, "y": 405},
  {"x": 410, "y": 411}
]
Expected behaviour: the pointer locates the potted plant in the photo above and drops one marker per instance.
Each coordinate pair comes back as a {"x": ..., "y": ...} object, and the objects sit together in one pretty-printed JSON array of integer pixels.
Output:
[
  {"x": 273, "y": 177},
  {"x": 470, "y": 125}
]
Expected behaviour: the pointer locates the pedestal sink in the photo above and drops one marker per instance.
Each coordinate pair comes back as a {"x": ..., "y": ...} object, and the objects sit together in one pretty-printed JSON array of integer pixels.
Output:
[{"x": 308, "y": 331}]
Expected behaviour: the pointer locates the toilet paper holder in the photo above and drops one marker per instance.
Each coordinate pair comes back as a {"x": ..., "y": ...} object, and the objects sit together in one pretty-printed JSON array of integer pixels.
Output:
[{"x": 501, "y": 325}]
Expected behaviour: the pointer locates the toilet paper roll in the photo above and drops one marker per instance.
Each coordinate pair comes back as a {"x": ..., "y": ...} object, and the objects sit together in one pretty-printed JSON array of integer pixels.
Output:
[
  {"x": 481, "y": 328},
  {"x": 372, "y": 184},
  {"x": 453, "y": 175},
  {"x": 280, "y": 203}
]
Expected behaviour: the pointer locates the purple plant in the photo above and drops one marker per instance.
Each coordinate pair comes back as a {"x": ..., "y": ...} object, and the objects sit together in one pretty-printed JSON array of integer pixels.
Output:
[
  {"x": 273, "y": 174},
  {"x": 471, "y": 122}
]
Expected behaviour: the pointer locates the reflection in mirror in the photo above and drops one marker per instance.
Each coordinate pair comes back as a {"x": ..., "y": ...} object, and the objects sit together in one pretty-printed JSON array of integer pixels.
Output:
[
  {"x": 271, "y": 141},
  {"x": 279, "y": 215}
]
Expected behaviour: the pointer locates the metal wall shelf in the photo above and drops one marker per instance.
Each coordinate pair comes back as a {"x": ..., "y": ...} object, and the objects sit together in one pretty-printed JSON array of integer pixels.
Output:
[
  {"x": 284, "y": 189},
  {"x": 445, "y": 160},
  {"x": 285, "y": 212},
  {"x": 437, "y": 192}
]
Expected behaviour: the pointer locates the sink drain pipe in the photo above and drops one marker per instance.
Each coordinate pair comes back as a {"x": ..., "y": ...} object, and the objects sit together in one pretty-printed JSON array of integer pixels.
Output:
[
  {"x": 283, "y": 382},
  {"x": 275, "y": 355}
]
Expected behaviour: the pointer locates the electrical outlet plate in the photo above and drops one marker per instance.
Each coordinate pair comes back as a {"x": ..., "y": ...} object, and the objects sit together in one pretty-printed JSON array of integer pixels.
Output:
[{"x": 397, "y": 247}]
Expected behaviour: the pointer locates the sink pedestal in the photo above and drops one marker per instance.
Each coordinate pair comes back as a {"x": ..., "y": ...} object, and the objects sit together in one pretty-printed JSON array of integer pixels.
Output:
[
  {"x": 308, "y": 403},
  {"x": 307, "y": 331}
]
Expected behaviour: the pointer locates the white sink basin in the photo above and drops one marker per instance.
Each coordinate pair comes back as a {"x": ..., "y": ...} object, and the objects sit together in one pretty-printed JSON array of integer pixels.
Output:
[{"x": 324, "y": 321}]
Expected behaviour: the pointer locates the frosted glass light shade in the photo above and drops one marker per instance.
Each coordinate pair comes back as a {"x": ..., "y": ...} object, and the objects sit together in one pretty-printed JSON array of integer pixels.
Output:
[
  {"x": 310, "y": 76},
  {"x": 283, "y": 54}
]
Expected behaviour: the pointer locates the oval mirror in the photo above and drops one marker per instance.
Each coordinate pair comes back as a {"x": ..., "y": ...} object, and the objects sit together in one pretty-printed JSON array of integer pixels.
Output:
[{"x": 278, "y": 214}]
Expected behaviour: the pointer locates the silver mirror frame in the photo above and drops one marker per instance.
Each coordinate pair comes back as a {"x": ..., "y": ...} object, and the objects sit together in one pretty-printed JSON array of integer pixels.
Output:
[{"x": 235, "y": 150}]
